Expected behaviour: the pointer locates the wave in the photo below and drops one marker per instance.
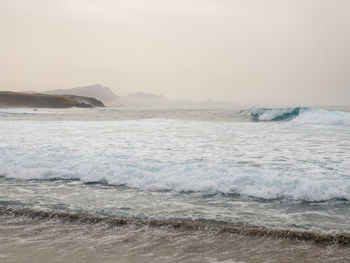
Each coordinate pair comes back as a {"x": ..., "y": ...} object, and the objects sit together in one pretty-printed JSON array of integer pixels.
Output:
[
  {"x": 270, "y": 162},
  {"x": 340, "y": 238},
  {"x": 301, "y": 115},
  {"x": 264, "y": 186},
  {"x": 265, "y": 114}
]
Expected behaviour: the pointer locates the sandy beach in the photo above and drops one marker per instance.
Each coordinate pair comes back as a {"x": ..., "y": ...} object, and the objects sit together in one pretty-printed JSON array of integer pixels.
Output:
[{"x": 34, "y": 238}]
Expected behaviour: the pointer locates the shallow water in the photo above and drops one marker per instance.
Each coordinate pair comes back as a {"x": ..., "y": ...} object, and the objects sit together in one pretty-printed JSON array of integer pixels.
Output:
[{"x": 56, "y": 240}]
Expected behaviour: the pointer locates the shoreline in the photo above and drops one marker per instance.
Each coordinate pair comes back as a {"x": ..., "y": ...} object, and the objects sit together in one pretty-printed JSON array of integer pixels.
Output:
[
  {"x": 36, "y": 236},
  {"x": 337, "y": 238}
]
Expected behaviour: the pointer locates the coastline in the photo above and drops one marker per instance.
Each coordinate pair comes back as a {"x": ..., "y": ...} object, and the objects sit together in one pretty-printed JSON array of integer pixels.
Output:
[
  {"x": 39, "y": 236},
  {"x": 327, "y": 238},
  {"x": 10, "y": 100}
]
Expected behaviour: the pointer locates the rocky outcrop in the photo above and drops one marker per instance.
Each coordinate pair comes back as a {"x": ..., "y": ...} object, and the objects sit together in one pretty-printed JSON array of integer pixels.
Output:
[{"x": 38, "y": 100}]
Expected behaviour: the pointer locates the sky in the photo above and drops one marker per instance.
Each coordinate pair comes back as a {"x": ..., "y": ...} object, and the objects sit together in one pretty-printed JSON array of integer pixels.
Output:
[{"x": 266, "y": 52}]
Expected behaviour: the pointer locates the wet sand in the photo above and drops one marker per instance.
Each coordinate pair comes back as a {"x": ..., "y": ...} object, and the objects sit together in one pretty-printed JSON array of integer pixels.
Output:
[{"x": 26, "y": 237}]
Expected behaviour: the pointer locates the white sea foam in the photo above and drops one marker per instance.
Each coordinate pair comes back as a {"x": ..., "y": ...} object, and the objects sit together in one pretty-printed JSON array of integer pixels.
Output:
[
  {"x": 323, "y": 117},
  {"x": 264, "y": 160}
]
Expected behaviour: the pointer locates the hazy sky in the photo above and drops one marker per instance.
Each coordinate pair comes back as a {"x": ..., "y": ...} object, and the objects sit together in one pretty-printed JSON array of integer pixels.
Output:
[{"x": 247, "y": 51}]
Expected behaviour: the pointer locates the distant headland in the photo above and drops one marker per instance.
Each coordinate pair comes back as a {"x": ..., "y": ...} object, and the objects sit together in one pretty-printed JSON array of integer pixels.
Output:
[
  {"x": 99, "y": 96},
  {"x": 39, "y": 100}
]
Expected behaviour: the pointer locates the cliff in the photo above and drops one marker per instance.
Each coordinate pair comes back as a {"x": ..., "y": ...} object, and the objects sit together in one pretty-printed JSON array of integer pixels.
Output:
[{"x": 38, "y": 100}]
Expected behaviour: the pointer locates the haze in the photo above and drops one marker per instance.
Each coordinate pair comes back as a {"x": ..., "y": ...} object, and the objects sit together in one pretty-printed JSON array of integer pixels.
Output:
[{"x": 292, "y": 52}]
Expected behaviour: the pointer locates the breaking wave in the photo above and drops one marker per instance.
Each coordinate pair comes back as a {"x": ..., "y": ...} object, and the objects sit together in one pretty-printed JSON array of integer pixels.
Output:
[
  {"x": 265, "y": 114},
  {"x": 264, "y": 162},
  {"x": 254, "y": 184},
  {"x": 302, "y": 115}
]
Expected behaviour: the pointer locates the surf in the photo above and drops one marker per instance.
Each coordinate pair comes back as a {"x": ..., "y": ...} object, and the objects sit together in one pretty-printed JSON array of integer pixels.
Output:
[
  {"x": 283, "y": 114},
  {"x": 300, "y": 115}
]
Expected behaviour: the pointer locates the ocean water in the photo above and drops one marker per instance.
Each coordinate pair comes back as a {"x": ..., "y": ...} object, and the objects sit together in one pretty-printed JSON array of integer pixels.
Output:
[{"x": 272, "y": 168}]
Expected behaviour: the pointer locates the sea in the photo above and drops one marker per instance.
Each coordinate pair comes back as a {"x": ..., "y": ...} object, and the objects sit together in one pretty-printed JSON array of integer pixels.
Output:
[{"x": 175, "y": 185}]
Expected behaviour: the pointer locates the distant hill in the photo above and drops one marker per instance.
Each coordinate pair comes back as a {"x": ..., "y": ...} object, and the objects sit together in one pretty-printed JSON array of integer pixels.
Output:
[
  {"x": 110, "y": 99},
  {"x": 143, "y": 99},
  {"x": 95, "y": 91},
  {"x": 140, "y": 99},
  {"x": 38, "y": 100}
]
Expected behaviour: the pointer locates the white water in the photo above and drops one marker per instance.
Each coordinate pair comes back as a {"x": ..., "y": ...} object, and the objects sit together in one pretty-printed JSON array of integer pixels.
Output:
[
  {"x": 304, "y": 115},
  {"x": 173, "y": 164},
  {"x": 265, "y": 160},
  {"x": 323, "y": 118}
]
